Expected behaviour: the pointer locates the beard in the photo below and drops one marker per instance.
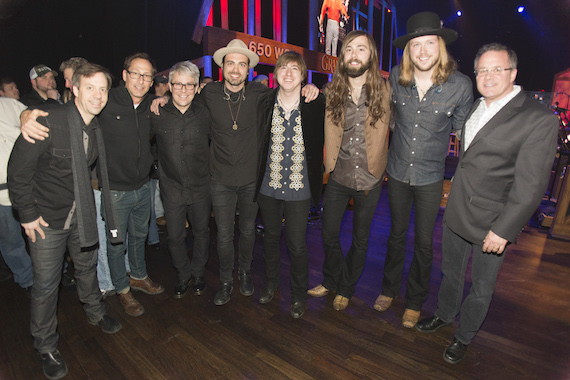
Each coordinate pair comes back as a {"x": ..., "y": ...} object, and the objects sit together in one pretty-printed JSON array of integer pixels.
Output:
[
  {"x": 232, "y": 81},
  {"x": 355, "y": 72}
]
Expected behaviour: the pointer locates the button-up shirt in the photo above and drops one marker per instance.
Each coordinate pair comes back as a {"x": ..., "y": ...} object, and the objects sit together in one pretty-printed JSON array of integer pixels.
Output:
[
  {"x": 422, "y": 127},
  {"x": 351, "y": 169}
]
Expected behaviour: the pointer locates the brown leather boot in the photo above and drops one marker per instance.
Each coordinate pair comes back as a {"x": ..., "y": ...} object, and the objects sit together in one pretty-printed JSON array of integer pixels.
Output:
[
  {"x": 146, "y": 286},
  {"x": 131, "y": 305}
]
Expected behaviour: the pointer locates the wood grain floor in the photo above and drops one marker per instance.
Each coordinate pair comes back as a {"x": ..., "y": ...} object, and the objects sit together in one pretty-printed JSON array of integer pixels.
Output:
[{"x": 525, "y": 336}]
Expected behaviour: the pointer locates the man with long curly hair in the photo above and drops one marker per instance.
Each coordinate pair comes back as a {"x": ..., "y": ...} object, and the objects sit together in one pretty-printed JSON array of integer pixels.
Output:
[
  {"x": 430, "y": 98},
  {"x": 356, "y": 152}
]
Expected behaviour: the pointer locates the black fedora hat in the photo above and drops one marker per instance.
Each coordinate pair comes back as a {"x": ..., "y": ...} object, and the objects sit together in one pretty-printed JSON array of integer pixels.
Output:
[{"x": 425, "y": 24}]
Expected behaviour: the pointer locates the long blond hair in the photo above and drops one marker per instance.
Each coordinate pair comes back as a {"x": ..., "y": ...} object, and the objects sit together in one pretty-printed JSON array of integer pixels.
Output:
[
  {"x": 444, "y": 66},
  {"x": 338, "y": 89}
]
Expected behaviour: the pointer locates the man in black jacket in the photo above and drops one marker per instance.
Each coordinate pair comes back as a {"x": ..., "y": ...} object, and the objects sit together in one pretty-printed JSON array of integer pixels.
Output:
[
  {"x": 44, "y": 87},
  {"x": 50, "y": 187},
  {"x": 182, "y": 130}
]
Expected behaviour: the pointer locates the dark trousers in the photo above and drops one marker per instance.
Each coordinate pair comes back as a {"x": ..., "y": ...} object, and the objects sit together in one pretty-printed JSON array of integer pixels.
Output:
[
  {"x": 484, "y": 270},
  {"x": 199, "y": 216},
  {"x": 426, "y": 200},
  {"x": 342, "y": 273},
  {"x": 224, "y": 200},
  {"x": 296, "y": 217},
  {"x": 47, "y": 260}
]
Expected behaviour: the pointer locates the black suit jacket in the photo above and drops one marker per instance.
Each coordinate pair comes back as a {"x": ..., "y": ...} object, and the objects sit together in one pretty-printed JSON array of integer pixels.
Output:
[
  {"x": 502, "y": 176},
  {"x": 312, "y": 119}
]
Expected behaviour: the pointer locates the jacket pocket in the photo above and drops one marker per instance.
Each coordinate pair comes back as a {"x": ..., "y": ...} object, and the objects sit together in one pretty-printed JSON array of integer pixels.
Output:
[
  {"x": 485, "y": 203},
  {"x": 60, "y": 160}
]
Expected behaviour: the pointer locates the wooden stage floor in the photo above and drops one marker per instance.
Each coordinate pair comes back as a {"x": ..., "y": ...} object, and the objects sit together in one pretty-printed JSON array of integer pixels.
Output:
[{"x": 525, "y": 336}]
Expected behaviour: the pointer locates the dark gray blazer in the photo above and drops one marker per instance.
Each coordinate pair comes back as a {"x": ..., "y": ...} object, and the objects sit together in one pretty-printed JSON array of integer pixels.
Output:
[{"x": 502, "y": 176}]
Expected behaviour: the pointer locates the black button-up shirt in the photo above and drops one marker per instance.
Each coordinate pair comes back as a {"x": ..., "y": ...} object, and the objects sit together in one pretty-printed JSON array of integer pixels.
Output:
[{"x": 422, "y": 127}]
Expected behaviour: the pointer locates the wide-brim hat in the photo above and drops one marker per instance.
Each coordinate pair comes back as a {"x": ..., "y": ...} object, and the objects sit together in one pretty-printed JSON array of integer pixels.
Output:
[
  {"x": 425, "y": 24},
  {"x": 236, "y": 46}
]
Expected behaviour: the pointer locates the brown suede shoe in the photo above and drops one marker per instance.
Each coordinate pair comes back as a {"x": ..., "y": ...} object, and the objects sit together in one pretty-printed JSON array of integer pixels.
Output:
[
  {"x": 131, "y": 305},
  {"x": 318, "y": 291},
  {"x": 410, "y": 318},
  {"x": 340, "y": 303},
  {"x": 383, "y": 303},
  {"x": 146, "y": 286}
]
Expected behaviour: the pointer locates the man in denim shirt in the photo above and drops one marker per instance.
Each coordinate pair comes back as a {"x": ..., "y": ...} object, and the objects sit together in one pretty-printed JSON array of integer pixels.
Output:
[{"x": 430, "y": 99}]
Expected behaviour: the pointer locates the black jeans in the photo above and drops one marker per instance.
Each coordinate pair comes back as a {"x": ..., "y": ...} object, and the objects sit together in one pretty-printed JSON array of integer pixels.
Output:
[
  {"x": 342, "y": 273},
  {"x": 199, "y": 216},
  {"x": 47, "y": 260},
  {"x": 426, "y": 200},
  {"x": 296, "y": 216}
]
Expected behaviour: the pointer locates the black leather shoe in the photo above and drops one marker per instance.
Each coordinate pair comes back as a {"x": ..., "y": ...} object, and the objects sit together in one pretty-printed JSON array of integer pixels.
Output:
[
  {"x": 198, "y": 285},
  {"x": 108, "y": 325},
  {"x": 181, "y": 288},
  {"x": 224, "y": 293},
  {"x": 297, "y": 309},
  {"x": 245, "y": 283},
  {"x": 431, "y": 324},
  {"x": 266, "y": 295},
  {"x": 53, "y": 365},
  {"x": 455, "y": 352},
  {"x": 68, "y": 281}
]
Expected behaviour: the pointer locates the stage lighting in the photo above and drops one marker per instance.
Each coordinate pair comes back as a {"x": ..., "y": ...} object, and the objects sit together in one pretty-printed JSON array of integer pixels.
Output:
[
  {"x": 520, "y": 9},
  {"x": 459, "y": 13}
]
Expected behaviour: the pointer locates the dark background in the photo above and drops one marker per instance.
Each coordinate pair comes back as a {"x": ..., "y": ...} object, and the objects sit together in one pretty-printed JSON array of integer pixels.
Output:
[{"x": 105, "y": 31}]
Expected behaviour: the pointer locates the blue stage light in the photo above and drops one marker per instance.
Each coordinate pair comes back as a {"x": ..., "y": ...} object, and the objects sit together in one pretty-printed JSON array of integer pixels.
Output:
[
  {"x": 520, "y": 9},
  {"x": 459, "y": 13}
]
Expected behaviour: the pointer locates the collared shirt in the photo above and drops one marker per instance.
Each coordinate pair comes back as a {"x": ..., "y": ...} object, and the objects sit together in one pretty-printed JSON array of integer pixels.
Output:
[
  {"x": 233, "y": 160},
  {"x": 286, "y": 177},
  {"x": 422, "y": 126},
  {"x": 483, "y": 114},
  {"x": 10, "y": 110},
  {"x": 351, "y": 169}
]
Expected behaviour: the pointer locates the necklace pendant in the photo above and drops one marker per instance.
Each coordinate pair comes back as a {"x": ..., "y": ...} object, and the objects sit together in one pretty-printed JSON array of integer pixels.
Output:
[{"x": 235, "y": 126}]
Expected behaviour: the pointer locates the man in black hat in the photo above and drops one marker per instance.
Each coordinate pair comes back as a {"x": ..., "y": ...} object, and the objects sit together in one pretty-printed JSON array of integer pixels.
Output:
[
  {"x": 44, "y": 87},
  {"x": 431, "y": 99},
  {"x": 160, "y": 85}
]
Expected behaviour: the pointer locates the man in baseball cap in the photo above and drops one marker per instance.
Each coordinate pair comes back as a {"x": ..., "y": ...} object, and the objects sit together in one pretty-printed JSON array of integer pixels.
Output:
[{"x": 44, "y": 88}]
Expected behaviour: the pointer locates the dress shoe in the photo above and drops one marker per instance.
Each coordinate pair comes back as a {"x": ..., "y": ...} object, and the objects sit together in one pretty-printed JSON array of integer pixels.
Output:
[
  {"x": 340, "y": 303},
  {"x": 297, "y": 309},
  {"x": 224, "y": 293},
  {"x": 430, "y": 324},
  {"x": 266, "y": 295},
  {"x": 146, "y": 285},
  {"x": 107, "y": 324},
  {"x": 53, "y": 365},
  {"x": 455, "y": 352},
  {"x": 410, "y": 318},
  {"x": 181, "y": 288},
  {"x": 131, "y": 305},
  {"x": 383, "y": 303},
  {"x": 245, "y": 283},
  {"x": 198, "y": 285},
  {"x": 318, "y": 291}
]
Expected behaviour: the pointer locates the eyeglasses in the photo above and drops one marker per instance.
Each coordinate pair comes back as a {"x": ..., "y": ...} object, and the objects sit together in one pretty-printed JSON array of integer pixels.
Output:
[
  {"x": 493, "y": 71},
  {"x": 189, "y": 86},
  {"x": 134, "y": 75}
]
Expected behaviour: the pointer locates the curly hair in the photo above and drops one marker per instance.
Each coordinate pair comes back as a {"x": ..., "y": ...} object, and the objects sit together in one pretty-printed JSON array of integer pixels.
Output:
[
  {"x": 337, "y": 90},
  {"x": 444, "y": 66}
]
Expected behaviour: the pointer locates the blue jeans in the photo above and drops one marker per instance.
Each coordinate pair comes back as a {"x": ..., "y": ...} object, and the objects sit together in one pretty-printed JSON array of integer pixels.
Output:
[
  {"x": 199, "y": 215},
  {"x": 153, "y": 237},
  {"x": 484, "y": 270},
  {"x": 426, "y": 200},
  {"x": 47, "y": 258},
  {"x": 224, "y": 200},
  {"x": 103, "y": 272},
  {"x": 342, "y": 273},
  {"x": 296, "y": 218},
  {"x": 132, "y": 209},
  {"x": 13, "y": 248}
]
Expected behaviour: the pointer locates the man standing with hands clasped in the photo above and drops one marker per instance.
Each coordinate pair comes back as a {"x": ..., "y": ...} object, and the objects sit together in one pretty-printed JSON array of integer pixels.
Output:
[{"x": 509, "y": 142}]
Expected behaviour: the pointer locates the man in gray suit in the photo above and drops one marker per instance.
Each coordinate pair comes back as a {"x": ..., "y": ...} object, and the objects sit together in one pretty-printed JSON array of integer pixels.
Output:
[{"x": 509, "y": 142}]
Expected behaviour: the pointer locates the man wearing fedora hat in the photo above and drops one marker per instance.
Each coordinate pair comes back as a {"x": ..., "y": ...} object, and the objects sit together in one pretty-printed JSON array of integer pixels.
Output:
[
  {"x": 233, "y": 162},
  {"x": 431, "y": 99}
]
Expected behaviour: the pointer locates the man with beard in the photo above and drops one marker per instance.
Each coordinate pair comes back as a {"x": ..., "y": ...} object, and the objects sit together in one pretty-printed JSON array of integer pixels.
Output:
[
  {"x": 44, "y": 88},
  {"x": 356, "y": 146},
  {"x": 430, "y": 98},
  {"x": 233, "y": 108}
]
